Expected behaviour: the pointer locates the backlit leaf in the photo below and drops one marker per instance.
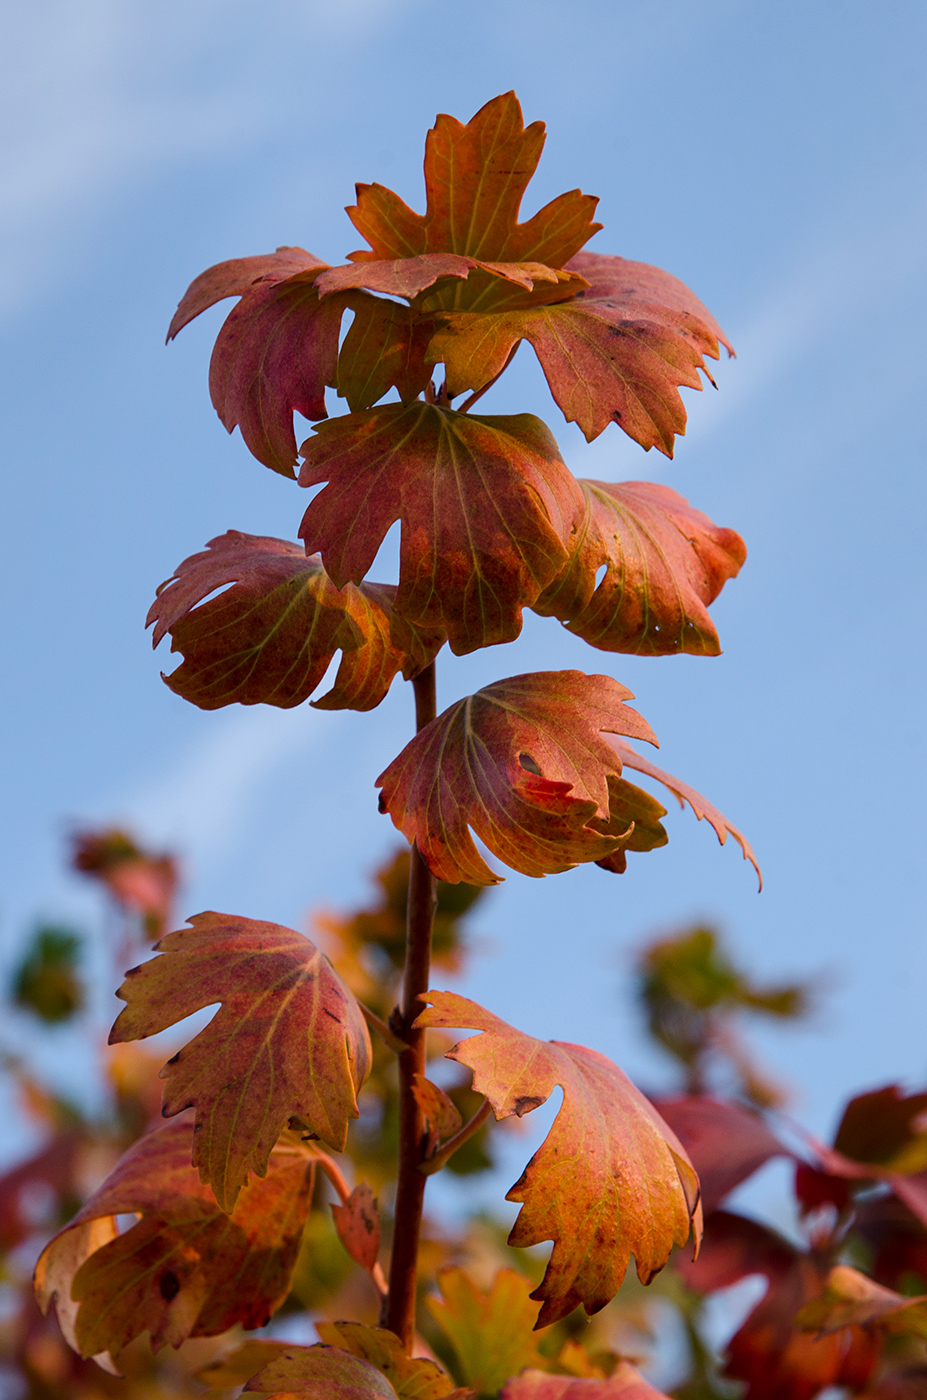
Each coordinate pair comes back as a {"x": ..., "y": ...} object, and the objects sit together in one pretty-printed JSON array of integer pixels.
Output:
[
  {"x": 233, "y": 279},
  {"x": 276, "y": 353},
  {"x": 850, "y": 1297},
  {"x": 492, "y": 1332},
  {"x": 322, "y": 1373},
  {"x": 442, "y": 1117},
  {"x": 288, "y": 1041},
  {"x": 665, "y": 562},
  {"x": 413, "y": 1378},
  {"x": 611, "y": 1178},
  {"x": 486, "y": 505},
  {"x": 686, "y": 794},
  {"x": 475, "y": 177},
  {"x": 358, "y": 1224},
  {"x": 523, "y": 762},
  {"x": 270, "y": 637},
  {"x": 186, "y": 1268},
  {"x": 625, "y": 1383},
  {"x": 384, "y": 348}
]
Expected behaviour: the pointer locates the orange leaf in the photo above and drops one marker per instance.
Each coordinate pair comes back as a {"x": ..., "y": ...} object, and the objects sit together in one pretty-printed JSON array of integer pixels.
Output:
[
  {"x": 269, "y": 639},
  {"x": 358, "y": 1224},
  {"x": 665, "y": 563},
  {"x": 475, "y": 177},
  {"x": 625, "y": 1383},
  {"x": 186, "y": 1269},
  {"x": 384, "y": 348},
  {"x": 849, "y": 1298},
  {"x": 288, "y": 1041},
  {"x": 442, "y": 1117},
  {"x": 683, "y": 793},
  {"x": 413, "y": 1377},
  {"x": 610, "y": 1180},
  {"x": 523, "y": 763},
  {"x": 486, "y": 505},
  {"x": 322, "y": 1372}
]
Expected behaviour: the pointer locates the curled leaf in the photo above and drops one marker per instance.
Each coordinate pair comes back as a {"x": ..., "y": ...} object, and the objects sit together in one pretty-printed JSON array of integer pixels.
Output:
[
  {"x": 289, "y": 1041},
  {"x": 235, "y": 277},
  {"x": 686, "y": 794},
  {"x": 665, "y": 562},
  {"x": 611, "y": 1178},
  {"x": 486, "y": 507},
  {"x": 186, "y": 1269},
  {"x": 523, "y": 762},
  {"x": 270, "y": 637}
]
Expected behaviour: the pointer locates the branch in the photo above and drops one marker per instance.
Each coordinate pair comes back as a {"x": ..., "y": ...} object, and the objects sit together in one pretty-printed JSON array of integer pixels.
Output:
[
  {"x": 376, "y": 1023},
  {"x": 442, "y": 1155}
]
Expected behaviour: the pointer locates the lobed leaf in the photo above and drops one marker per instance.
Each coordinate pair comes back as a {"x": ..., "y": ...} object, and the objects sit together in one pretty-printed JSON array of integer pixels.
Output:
[
  {"x": 625, "y": 1383},
  {"x": 186, "y": 1269},
  {"x": 384, "y": 348},
  {"x": 289, "y": 1041},
  {"x": 665, "y": 562},
  {"x": 492, "y": 1332},
  {"x": 412, "y": 1377},
  {"x": 611, "y": 1178},
  {"x": 270, "y": 638},
  {"x": 486, "y": 506},
  {"x": 523, "y": 762},
  {"x": 475, "y": 178}
]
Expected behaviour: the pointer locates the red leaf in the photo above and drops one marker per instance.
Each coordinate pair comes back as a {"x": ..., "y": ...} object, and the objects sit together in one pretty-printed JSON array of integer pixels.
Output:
[
  {"x": 186, "y": 1269},
  {"x": 288, "y": 1041},
  {"x": 523, "y": 763},
  {"x": 486, "y": 506},
  {"x": 885, "y": 1128},
  {"x": 665, "y": 563},
  {"x": 276, "y": 353},
  {"x": 683, "y": 793},
  {"x": 233, "y": 278},
  {"x": 384, "y": 348},
  {"x": 140, "y": 882},
  {"x": 644, "y": 287},
  {"x": 358, "y": 1226},
  {"x": 726, "y": 1141},
  {"x": 625, "y": 1383},
  {"x": 611, "y": 1179},
  {"x": 269, "y": 639}
]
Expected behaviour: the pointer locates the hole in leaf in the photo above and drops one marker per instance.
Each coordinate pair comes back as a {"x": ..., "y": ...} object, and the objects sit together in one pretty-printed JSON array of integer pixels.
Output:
[
  {"x": 529, "y": 765},
  {"x": 600, "y": 573}
]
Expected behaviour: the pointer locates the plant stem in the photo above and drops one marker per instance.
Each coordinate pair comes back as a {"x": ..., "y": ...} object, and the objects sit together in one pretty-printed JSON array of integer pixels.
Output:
[
  {"x": 399, "y": 1310},
  {"x": 437, "y": 1160}
]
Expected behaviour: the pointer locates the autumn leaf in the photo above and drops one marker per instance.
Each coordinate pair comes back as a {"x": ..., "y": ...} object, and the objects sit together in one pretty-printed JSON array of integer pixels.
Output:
[
  {"x": 776, "y": 1359},
  {"x": 492, "y": 1332},
  {"x": 270, "y": 637},
  {"x": 357, "y": 1221},
  {"x": 885, "y": 1128},
  {"x": 625, "y": 1383},
  {"x": 235, "y": 277},
  {"x": 664, "y": 563},
  {"x": 441, "y": 1114},
  {"x": 412, "y": 1377},
  {"x": 486, "y": 506},
  {"x": 140, "y": 882},
  {"x": 610, "y": 1180},
  {"x": 289, "y": 1041},
  {"x": 686, "y": 794},
  {"x": 384, "y": 348},
  {"x": 523, "y": 762},
  {"x": 475, "y": 178},
  {"x": 726, "y": 1141},
  {"x": 849, "y": 1298},
  {"x": 186, "y": 1268}
]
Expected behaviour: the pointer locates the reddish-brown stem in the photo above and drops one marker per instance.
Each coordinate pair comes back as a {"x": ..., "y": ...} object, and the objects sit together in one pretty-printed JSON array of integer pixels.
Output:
[
  {"x": 443, "y": 1155},
  {"x": 399, "y": 1309}
]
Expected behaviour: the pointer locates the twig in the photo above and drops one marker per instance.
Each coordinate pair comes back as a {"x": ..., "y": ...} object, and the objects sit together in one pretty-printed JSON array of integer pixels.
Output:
[
  {"x": 437, "y": 1160},
  {"x": 376, "y": 1023}
]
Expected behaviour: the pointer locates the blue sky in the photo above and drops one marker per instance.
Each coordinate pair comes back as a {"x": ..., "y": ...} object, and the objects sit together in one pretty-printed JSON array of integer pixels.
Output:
[{"x": 770, "y": 156}]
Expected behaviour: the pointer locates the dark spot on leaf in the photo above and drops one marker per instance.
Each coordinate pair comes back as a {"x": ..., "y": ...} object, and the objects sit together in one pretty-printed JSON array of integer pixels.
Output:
[
  {"x": 174, "y": 1058},
  {"x": 527, "y": 1103},
  {"x": 132, "y": 970},
  {"x": 169, "y": 1286},
  {"x": 529, "y": 764},
  {"x": 381, "y": 804},
  {"x": 331, "y": 1014}
]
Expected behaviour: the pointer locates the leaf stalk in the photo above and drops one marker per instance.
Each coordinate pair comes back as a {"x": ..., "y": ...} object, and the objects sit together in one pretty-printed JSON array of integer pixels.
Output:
[{"x": 442, "y": 1155}]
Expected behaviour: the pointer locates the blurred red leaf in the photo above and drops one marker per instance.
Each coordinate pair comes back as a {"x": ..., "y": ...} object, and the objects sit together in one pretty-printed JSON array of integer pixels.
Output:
[
  {"x": 486, "y": 505},
  {"x": 611, "y": 1179},
  {"x": 850, "y": 1298},
  {"x": 270, "y": 637},
  {"x": 186, "y": 1268},
  {"x": 288, "y": 1041},
  {"x": 523, "y": 762},
  {"x": 885, "y": 1128},
  {"x": 357, "y": 1221},
  {"x": 665, "y": 563},
  {"x": 726, "y": 1141},
  {"x": 625, "y": 1383},
  {"x": 140, "y": 882}
]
